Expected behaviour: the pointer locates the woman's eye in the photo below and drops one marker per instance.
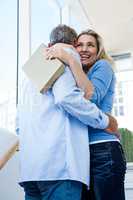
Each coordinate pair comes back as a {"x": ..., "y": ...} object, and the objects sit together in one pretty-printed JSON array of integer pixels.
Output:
[
  {"x": 91, "y": 45},
  {"x": 79, "y": 45}
]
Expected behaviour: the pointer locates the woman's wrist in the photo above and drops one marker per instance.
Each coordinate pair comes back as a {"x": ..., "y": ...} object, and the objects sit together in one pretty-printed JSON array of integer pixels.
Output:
[{"x": 73, "y": 63}]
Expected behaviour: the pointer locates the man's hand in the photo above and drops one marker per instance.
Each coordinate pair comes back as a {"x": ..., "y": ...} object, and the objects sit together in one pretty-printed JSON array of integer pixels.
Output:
[{"x": 113, "y": 126}]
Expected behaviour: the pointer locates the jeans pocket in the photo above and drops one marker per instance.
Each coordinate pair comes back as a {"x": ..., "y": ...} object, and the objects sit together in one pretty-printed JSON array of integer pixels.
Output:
[{"x": 101, "y": 163}]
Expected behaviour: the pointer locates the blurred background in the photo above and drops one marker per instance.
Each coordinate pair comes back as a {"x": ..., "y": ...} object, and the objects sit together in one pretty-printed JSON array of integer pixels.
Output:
[{"x": 27, "y": 23}]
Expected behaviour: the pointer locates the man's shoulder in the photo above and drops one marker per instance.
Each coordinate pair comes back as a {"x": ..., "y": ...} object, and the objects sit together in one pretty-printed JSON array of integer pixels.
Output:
[{"x": 73, "y": 52}]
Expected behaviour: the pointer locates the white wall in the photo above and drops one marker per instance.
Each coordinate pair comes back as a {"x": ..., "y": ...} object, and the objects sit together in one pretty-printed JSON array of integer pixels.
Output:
[{"x": 9, "y": 188}]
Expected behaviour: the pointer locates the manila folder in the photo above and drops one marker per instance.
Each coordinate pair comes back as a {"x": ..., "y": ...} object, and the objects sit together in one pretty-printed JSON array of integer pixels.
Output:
[{"x": 42, "y": 72}]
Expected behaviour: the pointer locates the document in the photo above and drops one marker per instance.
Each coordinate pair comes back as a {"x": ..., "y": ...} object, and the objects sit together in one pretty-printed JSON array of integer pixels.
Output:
[{"x": 42, "y": 72}]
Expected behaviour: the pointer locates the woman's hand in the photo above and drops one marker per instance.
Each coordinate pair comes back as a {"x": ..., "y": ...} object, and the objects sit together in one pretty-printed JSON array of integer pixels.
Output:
[{"x": 58, "y": 51}]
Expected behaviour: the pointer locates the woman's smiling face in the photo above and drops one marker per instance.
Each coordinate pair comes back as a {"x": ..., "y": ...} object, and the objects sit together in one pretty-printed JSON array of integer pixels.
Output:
[{"x": 87, "y": 48}]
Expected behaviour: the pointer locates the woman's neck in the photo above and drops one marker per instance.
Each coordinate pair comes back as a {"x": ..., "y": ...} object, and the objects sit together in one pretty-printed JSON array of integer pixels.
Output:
[{"x": 86, "y": 68}]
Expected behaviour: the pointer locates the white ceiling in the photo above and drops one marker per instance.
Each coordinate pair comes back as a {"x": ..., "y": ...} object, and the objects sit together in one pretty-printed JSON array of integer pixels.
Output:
[{"x": 113, "y": 19}]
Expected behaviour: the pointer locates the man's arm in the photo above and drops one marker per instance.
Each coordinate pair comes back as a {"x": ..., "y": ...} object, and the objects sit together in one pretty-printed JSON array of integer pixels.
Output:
[
  {"x": 113, "y": 126},
  {"x": 69, "y": 97}
]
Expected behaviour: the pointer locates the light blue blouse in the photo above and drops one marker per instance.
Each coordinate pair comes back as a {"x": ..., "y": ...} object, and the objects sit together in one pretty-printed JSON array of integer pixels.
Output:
[{"x": 103, "y": 79}]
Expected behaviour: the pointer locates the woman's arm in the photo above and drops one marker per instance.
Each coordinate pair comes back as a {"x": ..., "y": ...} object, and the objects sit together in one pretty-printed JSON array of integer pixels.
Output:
[
  {"x": 81, "y": 79},
  {"x": 103, "y": 80},
  {"x": 58, "y": 51}
]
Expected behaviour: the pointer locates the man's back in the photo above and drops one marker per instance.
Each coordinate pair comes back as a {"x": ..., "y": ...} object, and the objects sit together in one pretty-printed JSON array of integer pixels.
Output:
[{"x": 50, "y": 140}]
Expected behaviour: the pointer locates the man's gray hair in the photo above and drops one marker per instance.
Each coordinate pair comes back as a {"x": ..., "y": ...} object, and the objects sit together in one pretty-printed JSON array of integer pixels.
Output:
[{"x": 63, "y": 34}]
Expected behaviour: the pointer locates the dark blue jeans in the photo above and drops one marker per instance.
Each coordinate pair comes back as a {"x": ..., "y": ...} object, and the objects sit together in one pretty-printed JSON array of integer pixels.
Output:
[
  {"x": 52, "y": 190},
  {"x": 107, "y": 171}
]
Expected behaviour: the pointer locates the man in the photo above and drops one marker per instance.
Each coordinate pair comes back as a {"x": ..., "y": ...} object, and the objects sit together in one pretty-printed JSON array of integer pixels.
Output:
[{"x": 51, "y": 164}]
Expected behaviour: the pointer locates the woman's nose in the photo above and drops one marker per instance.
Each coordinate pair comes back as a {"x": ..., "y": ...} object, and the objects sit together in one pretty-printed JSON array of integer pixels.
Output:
[{"x": 84, "y": 48}]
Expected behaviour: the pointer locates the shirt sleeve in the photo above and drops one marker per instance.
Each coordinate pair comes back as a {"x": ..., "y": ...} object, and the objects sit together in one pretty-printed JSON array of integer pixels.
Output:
[
  {"x": 70, "y": 98},
  {"x": 101, "y": 77}
]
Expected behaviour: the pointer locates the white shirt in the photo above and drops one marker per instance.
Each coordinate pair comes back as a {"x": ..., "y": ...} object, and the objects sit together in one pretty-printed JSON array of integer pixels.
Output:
[{"x": 53, "y": 134}]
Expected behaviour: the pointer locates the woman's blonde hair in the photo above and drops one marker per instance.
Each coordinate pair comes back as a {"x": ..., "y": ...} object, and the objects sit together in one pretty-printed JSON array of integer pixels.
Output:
[{"x": 101, "y": 53}]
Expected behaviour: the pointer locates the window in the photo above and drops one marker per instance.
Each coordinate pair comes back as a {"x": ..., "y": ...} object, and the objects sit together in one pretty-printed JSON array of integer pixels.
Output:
[
  {"x": 8, "y": 63},
  {"x": 121, "y": 110},
  {"x": 45, "y": 16},
  {"x": 120, "y": 100},
  {"x": 78, "y": 17},
  {"x": 118, "y": 108},
  {"x": 115, "y": 111}
]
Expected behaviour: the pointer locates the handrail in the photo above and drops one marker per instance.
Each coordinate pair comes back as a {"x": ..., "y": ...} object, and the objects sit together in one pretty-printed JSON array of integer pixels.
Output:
[{"x": 8, "y": 155}]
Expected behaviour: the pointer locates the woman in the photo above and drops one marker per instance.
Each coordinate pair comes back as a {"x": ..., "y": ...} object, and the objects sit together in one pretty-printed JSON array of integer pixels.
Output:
[
  {"x": 107, "y": 158},
  {"x": 107, "y": 161}
]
